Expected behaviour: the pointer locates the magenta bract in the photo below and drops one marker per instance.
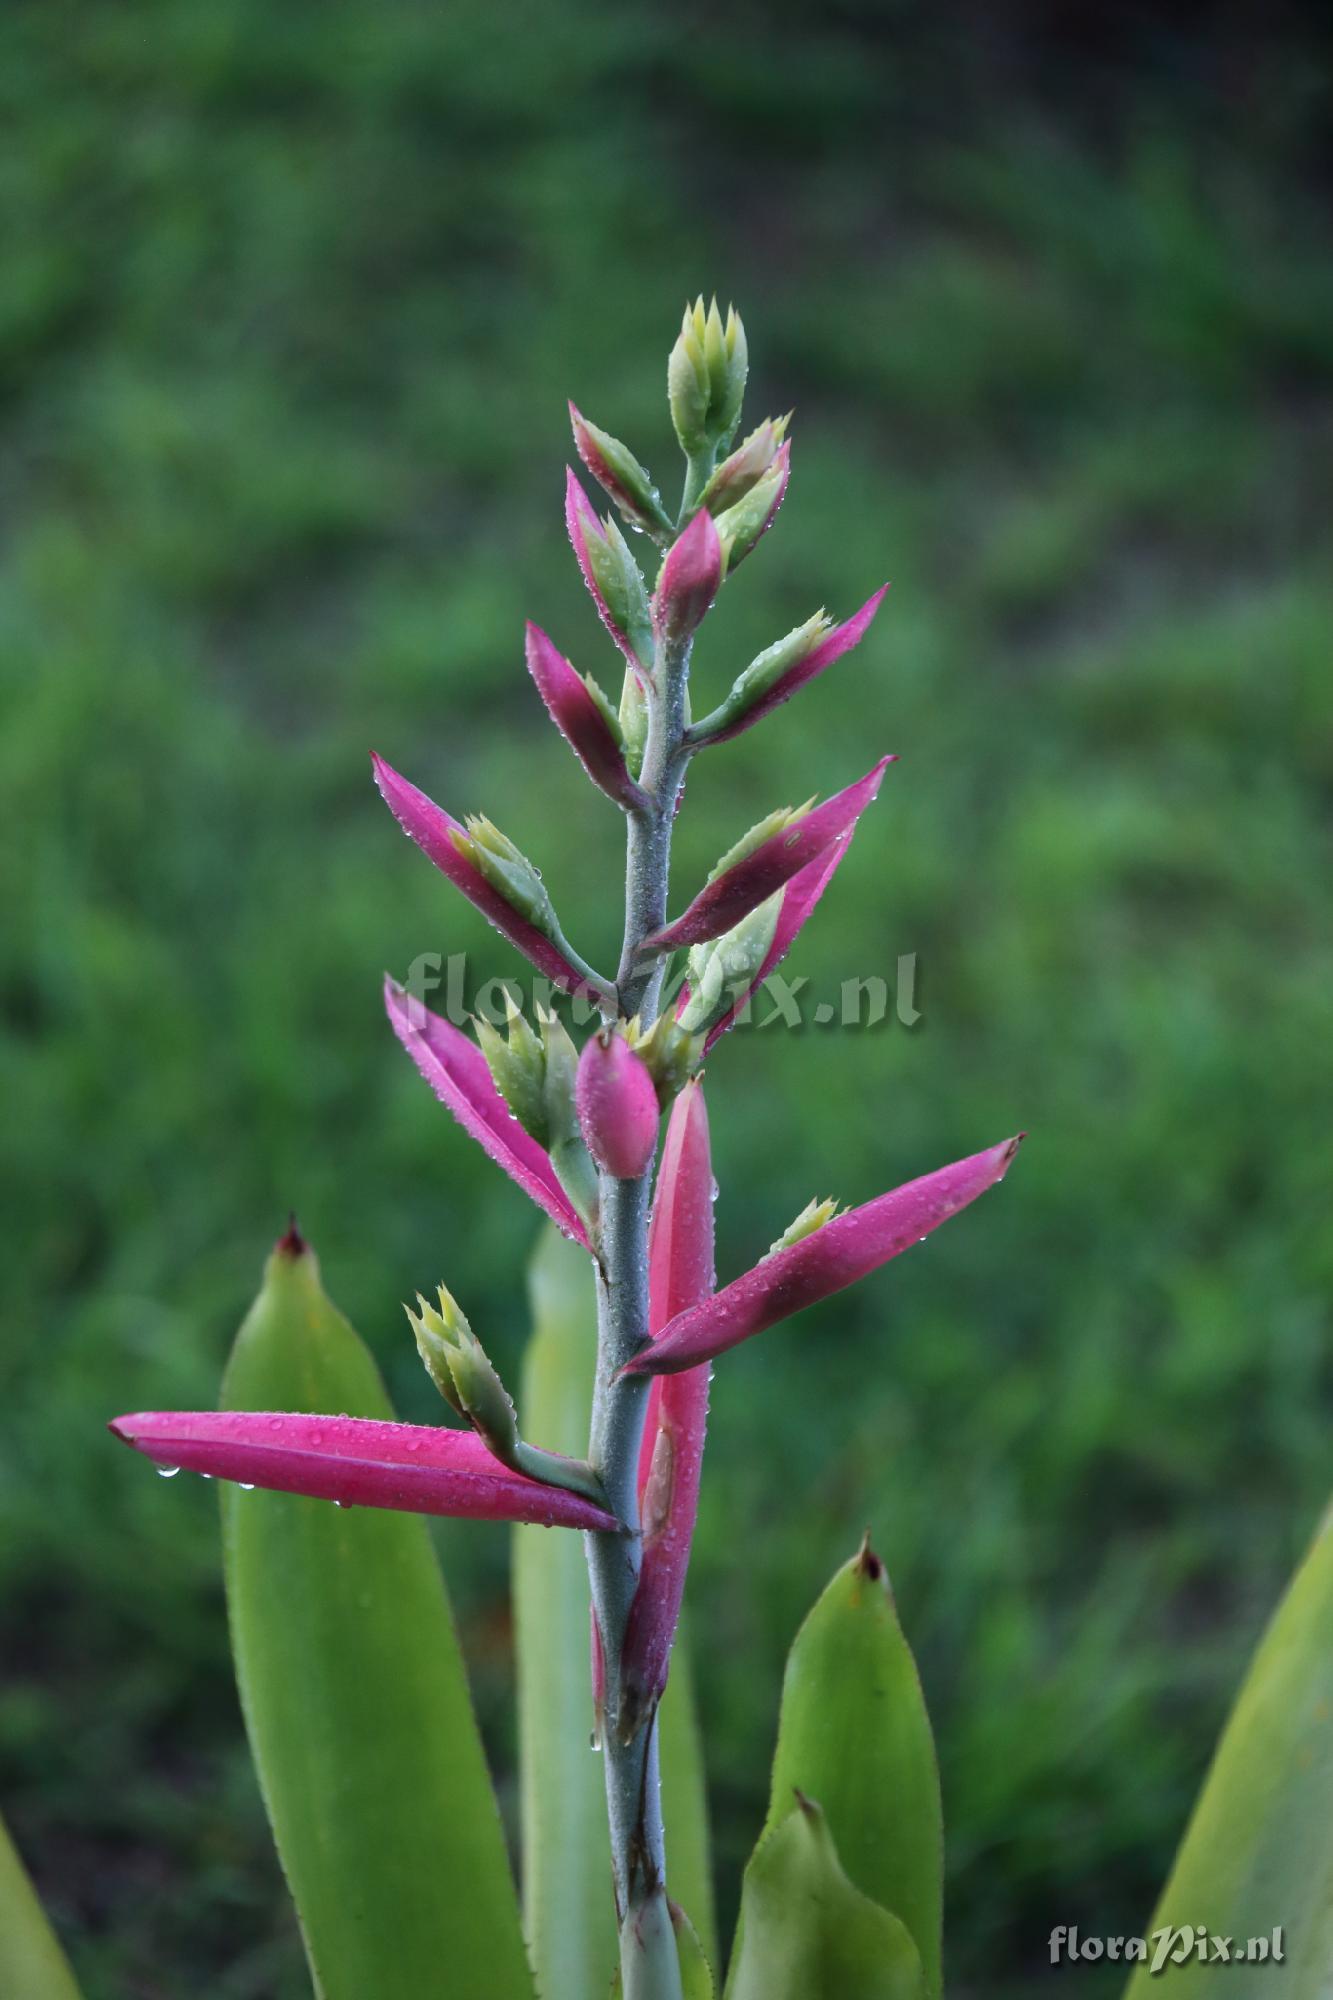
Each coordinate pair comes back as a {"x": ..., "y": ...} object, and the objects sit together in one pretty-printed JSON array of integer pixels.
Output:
[
  {"x": 843, "y": 1250},
  {"x": 456, "y": 1071},
  {"x": 357, "y": 1461},
  {"x": 690, "y": 579},
  {"x": 579, "y": 719},
  {"x": 680, "y": 1274},
  {"x": 432, "y": 828},
  {"x": 617, "y": 1105},
  {"x": 830, "y": 648},
  {"x": 729, "y": 897}
]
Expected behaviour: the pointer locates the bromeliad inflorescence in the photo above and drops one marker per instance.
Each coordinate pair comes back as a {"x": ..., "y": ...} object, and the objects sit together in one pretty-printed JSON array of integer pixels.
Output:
[{"x": 578, "y": 1131}]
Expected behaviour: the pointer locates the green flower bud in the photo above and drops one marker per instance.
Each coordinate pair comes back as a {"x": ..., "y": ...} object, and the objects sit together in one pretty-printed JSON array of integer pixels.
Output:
[
  {"x": 633, "y": 720},
  {"x": 767, "y": 668},
  {"x": 507, "y": 869},
  {"x": 670, "y": 1052},
  {"x": 706, "y": 378},
  {"x": 458, "y": 1365},
  {"x": 728, "y": 966},
  {"x": 740, "y": 526},
  {"x": 518, "y": 1067},
  {"x": 616, "y": 469},
  {"x": 812, "y": 1217},
  {"x": 620, "y": 581}
]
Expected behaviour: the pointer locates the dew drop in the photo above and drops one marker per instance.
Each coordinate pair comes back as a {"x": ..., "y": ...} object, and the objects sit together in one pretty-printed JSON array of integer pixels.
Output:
[
  {"x": 246, "y": 1485},
  {"x": 167, "y": 1471}
]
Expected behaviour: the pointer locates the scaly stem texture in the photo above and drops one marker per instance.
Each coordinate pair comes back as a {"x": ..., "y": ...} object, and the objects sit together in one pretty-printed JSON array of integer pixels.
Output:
[{"x": 620, "y": 1406}]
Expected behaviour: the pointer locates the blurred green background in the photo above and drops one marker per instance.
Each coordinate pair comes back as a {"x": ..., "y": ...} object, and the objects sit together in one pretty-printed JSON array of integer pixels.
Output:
[{"x": 290, "y": 302}]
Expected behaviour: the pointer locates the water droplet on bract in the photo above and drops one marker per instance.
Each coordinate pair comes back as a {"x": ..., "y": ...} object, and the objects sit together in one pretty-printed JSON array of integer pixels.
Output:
[
  {"x": 246, "y": 1485},
  {"x": 167, "y": 1471},
  {"x": 714, "y": 1191},
  {"x": 340, "y": 1503},
  {"x": 205, "y": 1475},
  {"x": 593, "y": 1742}
]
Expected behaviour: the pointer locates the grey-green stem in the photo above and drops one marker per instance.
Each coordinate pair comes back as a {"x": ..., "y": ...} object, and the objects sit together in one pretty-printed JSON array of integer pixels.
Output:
[{"x": 638, "y": 1853}]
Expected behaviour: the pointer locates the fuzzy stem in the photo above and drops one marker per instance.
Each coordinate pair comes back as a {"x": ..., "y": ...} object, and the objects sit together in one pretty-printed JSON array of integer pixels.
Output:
[{"x": 619, "y": 1407}]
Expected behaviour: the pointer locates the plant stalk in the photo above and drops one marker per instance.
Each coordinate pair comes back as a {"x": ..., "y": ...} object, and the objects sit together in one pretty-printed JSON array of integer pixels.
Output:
[{"x": 638, "y": 1853}]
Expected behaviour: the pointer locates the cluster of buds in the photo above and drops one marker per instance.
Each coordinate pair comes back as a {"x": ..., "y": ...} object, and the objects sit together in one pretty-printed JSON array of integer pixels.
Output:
[{"x": 578, "y": 1131}]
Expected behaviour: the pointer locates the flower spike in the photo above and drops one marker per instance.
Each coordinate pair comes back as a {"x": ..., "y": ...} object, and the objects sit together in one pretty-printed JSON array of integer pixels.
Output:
[
  {"x": 680, "y": 1275},
  {"x": 493, "y": 876},
  {"x": 456, "y": 1071},
  {"x": 356, "y": 1461},
  {"x": 757, "y": 869},
  {"x": 778, "y": 673},
  {"x": 583, "y": 720},
  {"x": 824, "y": 1262}
]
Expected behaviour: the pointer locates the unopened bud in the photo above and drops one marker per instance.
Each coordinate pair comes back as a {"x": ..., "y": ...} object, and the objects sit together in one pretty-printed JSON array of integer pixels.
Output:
[
  {"x": 618, "y": 472},
  {"x": 689, "y": 581},
  {"x": 672, "y": 1054},
  {"x": 741, "y": 472},
  {"x": 706, "y": 377},
  {"x": 518, "y": 1067},
  {"x": 739, "y": 527},
  {"x": 727, "y": 967},
  {"x": 617, "y": 1105},
  {"x": 615, "y": 581},
  {"x": 507, "y": 869},
  {"x": 461, "y": 1370}
]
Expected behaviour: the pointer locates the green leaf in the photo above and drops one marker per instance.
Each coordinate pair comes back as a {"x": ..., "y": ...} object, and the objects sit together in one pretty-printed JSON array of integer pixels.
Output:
[
  {"x": 568, "y": 1908},
  {"x": 854, "y": 1734},
  {"x": 696, "y": 1976},
  {"x": 355, "y": 1696},
  {"x": 1258, "y": 1851},
  {"x": 32, "y": 1965},
  {"x": 808, "y": 1933},
  {"x": 684, "y": 1798}
]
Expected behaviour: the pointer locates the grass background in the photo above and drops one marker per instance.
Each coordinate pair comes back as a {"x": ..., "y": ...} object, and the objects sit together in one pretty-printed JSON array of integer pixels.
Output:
[{"x": 290, "y": 302}]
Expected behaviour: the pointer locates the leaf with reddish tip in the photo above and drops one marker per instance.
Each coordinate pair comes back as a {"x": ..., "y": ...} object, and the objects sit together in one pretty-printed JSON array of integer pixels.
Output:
[
  {"x": 855, "y": 1735},
  {"x": 457, "y": 1072},
  {"x": 438, "y": 835},
  {"x": 768, "y": 867},
  {"x": 848, "y": 1248},
  {"x": 614, "y": 580},
  {"x": 576, "y": 713},
  {"x": 355, "y": 1695},
  {"x": 357, "y": 1462}
]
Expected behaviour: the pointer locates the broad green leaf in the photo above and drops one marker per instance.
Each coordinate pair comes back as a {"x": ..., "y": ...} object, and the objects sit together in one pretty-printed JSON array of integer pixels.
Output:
[
  {"x": 1258, "y": 1851},
  {"x": 854, "y": 1735},
  {"x": 684, "y": 1799},
  {"x": 568, "y": 1908},
  {"x": 356, "y": 1699},
  {"x": 32, "y": 1965},
  {"x": 808, "y": 1933}
]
